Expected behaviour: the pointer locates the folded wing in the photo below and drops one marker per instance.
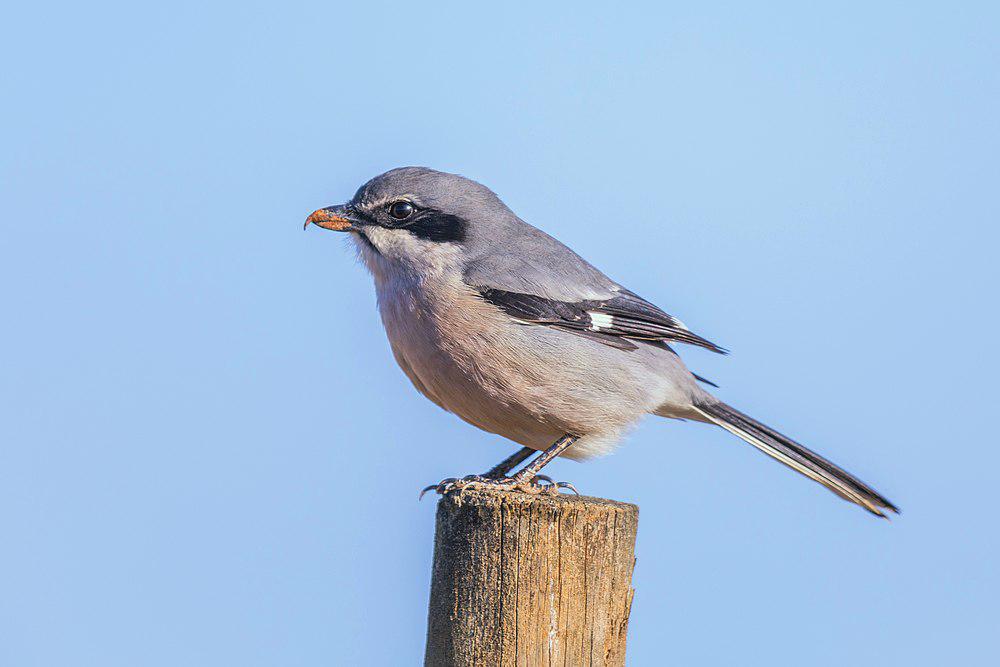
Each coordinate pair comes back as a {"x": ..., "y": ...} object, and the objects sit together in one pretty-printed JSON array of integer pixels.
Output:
[{"x": 617, "y": 321}]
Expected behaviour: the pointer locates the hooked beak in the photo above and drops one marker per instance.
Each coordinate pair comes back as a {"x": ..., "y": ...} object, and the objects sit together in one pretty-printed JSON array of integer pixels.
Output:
[{"x": 335, "y": 218}]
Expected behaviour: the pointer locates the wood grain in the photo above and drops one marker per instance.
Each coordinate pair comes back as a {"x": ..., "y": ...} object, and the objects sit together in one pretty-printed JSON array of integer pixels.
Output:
[{"x": 524, "y": 579}]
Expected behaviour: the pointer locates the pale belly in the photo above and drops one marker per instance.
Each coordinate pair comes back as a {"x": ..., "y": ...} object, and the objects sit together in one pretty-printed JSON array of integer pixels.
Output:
[{"x": 465, "y": 370}]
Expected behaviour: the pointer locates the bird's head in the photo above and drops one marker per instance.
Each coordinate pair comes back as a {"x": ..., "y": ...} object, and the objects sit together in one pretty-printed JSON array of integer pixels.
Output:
[{"x": 417, "y": 218}]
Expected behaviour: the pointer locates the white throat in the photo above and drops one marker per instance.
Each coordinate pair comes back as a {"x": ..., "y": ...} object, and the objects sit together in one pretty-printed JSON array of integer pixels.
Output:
[{"x": 399, "y": 255}]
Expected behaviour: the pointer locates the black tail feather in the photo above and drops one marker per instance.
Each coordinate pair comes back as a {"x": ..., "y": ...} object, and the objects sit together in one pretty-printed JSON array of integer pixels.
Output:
[{"x": 797, "y": 457}]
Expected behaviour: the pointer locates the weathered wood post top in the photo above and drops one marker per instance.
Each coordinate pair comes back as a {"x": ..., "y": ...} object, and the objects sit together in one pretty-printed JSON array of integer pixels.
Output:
[{"x": 524, "y": 579}]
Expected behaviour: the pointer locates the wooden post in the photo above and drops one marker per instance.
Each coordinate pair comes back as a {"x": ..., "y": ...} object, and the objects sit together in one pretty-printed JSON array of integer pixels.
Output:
[{"x": 530, "y": 580}]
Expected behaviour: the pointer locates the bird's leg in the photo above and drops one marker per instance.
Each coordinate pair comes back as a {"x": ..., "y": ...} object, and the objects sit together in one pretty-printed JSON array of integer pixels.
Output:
[
  {"x": 526, "y": 480},
  {"x": 532, "y": 469},
  {"x": 501, "y": 469}
]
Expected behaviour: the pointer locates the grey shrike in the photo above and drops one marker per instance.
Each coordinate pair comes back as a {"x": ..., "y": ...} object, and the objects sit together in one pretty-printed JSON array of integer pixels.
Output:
[{"x": 506, "y": 327}]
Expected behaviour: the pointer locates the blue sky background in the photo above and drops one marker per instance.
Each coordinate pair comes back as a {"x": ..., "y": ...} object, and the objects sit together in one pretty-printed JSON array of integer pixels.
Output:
[{"x": 209, "y": 457}]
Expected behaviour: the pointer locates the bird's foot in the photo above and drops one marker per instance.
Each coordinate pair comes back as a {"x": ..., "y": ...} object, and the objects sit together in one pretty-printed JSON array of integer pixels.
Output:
[{"x": 536, "y": 485}]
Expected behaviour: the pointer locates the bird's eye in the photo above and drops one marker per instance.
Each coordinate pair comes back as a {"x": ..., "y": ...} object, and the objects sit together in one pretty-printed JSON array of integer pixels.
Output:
[{"x": 401, "y": 210}]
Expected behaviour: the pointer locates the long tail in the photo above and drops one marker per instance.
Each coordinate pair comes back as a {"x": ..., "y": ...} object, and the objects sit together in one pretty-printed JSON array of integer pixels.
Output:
[{"x": 797, "y": 457}]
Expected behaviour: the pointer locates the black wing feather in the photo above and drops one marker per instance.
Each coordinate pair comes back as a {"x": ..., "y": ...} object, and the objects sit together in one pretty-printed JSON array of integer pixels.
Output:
[{"x": 628, "y": 316}]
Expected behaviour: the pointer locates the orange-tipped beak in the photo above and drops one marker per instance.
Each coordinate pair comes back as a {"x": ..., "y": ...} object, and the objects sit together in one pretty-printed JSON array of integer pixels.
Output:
[{"x": 327, "y": 218}]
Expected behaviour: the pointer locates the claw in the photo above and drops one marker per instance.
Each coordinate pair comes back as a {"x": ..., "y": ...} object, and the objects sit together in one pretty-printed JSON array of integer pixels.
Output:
[
  {"x": 567, "y": 485},
  {"x": 440, "y": 487}
]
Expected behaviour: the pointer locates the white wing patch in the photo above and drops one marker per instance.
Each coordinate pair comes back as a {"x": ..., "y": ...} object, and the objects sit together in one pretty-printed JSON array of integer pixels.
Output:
[{"x": 600, "y": 321}]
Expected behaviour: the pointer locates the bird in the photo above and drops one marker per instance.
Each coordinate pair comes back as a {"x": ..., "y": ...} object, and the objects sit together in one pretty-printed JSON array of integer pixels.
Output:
[{"x": 506, "y": 327}]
